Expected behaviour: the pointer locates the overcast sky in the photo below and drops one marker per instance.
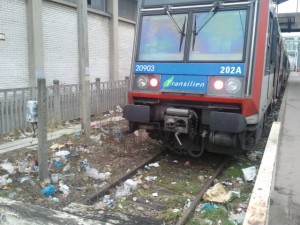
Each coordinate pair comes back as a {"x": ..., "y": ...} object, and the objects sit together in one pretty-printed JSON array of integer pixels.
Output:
[{"x": 289, "y": 6}]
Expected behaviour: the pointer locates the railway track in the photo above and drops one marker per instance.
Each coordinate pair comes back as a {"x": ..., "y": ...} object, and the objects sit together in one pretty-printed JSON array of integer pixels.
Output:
[{"x": 178, "y": 187}]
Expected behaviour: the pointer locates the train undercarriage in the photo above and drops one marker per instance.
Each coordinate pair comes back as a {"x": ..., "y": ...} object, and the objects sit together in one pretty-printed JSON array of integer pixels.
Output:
[{"x": 191, "y": 131}]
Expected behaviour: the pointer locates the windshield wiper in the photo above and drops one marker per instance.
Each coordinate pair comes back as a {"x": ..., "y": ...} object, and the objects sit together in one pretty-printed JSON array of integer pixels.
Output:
[
  {"x": 181, "y": 31},
  {"x": 205, "y": 20}
]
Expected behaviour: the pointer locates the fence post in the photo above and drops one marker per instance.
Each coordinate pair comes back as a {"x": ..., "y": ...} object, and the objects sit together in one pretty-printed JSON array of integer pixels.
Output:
[
  {"x": 127, "y": 89},
  {"x": 98, "y": 99},
  {"x": 57, "y": 109},
  {"x": 42, "y": 129}
]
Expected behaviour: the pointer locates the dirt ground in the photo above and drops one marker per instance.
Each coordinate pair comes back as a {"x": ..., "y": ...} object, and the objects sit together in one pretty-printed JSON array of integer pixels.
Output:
[{"x": 107, "y": 151}]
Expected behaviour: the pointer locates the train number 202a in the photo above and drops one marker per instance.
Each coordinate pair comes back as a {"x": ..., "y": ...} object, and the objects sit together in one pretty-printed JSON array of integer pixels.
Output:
[{"x": 230, "y": 70}]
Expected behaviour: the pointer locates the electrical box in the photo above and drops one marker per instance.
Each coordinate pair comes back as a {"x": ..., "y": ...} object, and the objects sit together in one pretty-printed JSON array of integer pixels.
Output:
[{"x": 31, "y": 112}]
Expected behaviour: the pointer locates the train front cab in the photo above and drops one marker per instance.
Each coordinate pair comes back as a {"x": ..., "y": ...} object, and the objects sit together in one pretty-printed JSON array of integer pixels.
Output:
[{"x": 199, "y": 96}]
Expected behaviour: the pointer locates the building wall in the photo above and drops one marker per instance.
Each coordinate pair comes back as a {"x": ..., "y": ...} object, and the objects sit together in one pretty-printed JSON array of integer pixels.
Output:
[
  {"x": 60, "y": 44},
  {"x": 126, "y": 39},
  {"x": 14, "y": 49},
  {"x": 98, "y": 47}
]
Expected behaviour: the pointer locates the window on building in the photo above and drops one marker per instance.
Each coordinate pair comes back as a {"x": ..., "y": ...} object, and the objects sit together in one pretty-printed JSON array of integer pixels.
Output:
[
  {"x": 94, "y": 4},
  {"x": 127, "y": 9}
]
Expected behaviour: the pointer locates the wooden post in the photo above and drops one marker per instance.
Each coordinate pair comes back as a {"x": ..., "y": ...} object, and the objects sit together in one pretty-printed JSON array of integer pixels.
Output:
[
  {"x": 84, "y": 70},
  {"x": 57, "y": 109},
  {"x": 42, "y": 129}
]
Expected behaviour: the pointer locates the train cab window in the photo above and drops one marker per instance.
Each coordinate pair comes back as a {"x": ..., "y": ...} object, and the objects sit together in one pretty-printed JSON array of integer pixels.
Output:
[
  {"x": 162, "y": 38},
  {"x": 218, "y": 37}
]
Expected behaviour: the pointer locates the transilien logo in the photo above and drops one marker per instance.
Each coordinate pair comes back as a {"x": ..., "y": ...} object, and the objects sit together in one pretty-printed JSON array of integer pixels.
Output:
[{"x": 168, "y": 82}]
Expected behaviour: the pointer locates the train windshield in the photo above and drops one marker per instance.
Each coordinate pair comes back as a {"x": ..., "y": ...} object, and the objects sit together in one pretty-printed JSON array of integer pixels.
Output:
[
  {"x": 162, "y": 38},
  {"x": 219, "y": 38}
]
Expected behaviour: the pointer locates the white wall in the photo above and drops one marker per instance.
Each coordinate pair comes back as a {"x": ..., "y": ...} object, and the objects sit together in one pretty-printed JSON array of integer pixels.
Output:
[
  {"x": 126, "y": 39},
  {"x": 98, "y": 47},
  {"x": 60, "y": 44},
  {"x": 14, "y": 72}
]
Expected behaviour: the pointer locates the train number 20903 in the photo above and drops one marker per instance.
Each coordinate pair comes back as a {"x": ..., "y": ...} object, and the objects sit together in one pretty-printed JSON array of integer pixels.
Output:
[
  {"x": 230, "y": 70},
  {"x": 144, "y": 68}
]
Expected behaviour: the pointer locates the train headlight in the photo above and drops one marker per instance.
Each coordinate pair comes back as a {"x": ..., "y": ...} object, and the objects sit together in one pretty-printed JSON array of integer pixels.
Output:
[
  {"x": 225, "y": 86},
  {"x": 142, "y": 82},
  {"x": 233, "y": 85}
]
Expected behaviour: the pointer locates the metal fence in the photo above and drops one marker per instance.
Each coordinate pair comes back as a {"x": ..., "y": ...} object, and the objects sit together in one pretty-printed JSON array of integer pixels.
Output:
[{"x": 63, "y": 102}]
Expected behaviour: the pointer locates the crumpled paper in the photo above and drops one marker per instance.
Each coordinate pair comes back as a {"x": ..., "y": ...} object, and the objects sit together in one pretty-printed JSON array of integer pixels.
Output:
[{"x": 217, "y": 194}]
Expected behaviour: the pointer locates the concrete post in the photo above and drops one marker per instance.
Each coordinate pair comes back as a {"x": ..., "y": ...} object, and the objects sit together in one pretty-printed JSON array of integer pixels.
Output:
[
  {"x": 98, "y": 98},
  {"x": 127, "y": 89},
  {"x": 84, "y": 70},
  {"x": 42, "y": 129},
  {"x": 113, "y": 8},
  {"x": 57, "y": 109},
  {"x": 35, "y": 41}
]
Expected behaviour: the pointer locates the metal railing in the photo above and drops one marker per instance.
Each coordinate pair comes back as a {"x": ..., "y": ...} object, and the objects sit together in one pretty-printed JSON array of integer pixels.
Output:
[{"x": 63, "y": 102}]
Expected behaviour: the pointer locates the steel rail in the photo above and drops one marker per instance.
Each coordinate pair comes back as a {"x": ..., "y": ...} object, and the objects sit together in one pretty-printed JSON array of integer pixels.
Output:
[
  {"x": 199, "y": 196},
  {"x": 104, "y": 190}
]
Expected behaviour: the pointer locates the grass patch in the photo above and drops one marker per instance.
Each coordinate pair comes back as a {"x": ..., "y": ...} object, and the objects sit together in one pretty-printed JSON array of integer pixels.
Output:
[
  {"x": 236, "y": 169},
  {"x": 212, "y": 217},
  {"x": 169, "y": 216}
]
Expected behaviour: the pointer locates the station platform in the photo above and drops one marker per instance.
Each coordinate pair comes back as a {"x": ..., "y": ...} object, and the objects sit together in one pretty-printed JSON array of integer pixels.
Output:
[{"x": 285, "y": 196}]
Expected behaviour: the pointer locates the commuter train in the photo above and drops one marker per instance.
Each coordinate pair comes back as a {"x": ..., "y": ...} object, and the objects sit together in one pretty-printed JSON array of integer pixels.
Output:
[{"x": 205, "y": 73}]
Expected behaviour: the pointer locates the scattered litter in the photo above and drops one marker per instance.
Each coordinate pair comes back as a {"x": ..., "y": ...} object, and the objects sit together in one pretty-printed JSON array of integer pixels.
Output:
[
  {"x": 4, "y": 180},
  {"x": 249, "y": 173},
  {"x": 58, "y": 164},
  {"x": 209, "y": 206},
  {"x": 106, "y": 131},
  {"x": 175, "y": 161},
  {"x": 154, "y": 165},
  {"x": 66, "y": 168},
  {"x": 55, "y": 177},
  {"x": 201, "y": 177},
  {"x": 64, "y": 189},
  {"x": 147, "y": 167},
  {"x": 95, "y": 138},
  {"x": 155, "y": 194},
  {"x": 236, "y": 192},
  {"x": 238, "y": 217},
  {"x": 117, "y": 132},
  {"x": 173, "y": 183},
  {"x": 48, "y": 191},
  {"x": 8, "y": 166},
  {"x": 55, "y": 199},
  {"x": 94, "y": 173},
  {"x": 131, "y": 184},
  {"x": 227, "y": 183},
  {"x": 56, "y": 146},
  {"x": 84, "y": 164},
  {"x": 187, "y": 204},
  {"x": 187, "y": 163},
  {"x": 77, "y": 134},
  {"x": 136, "y": 133},
  {"x": 23, "y": 179},
  {"x": 118, "y": 109},
  {"x": 217, "y": 194},
  {"x": 134, "y": 199},
  {"x": 150, "y": 178},
  {"x": 63, "y": 153},
  {"x": 254, "y": 156},
  {"x": 176, "y": 210}
]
